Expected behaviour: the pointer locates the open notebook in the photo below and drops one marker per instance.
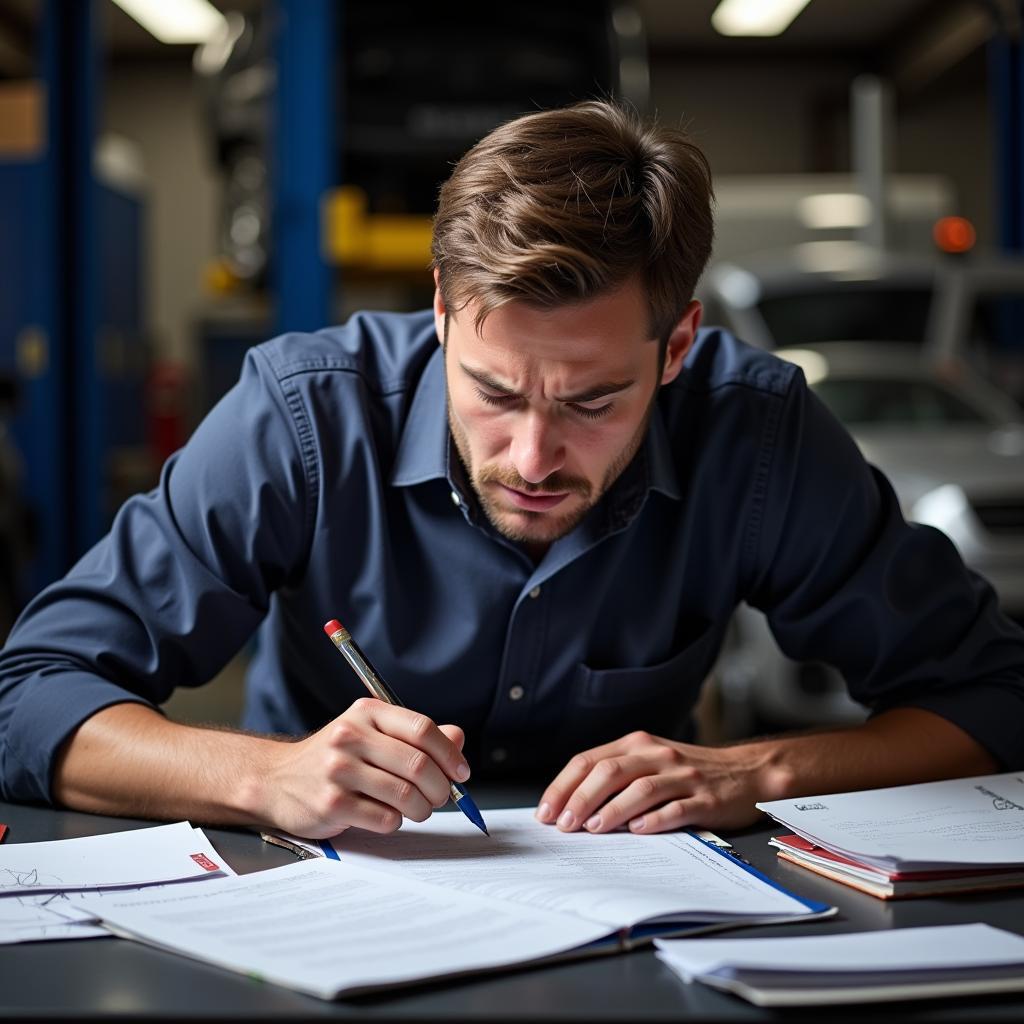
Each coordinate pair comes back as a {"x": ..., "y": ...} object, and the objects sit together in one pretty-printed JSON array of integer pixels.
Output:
[{"x": 439, "y": 899}]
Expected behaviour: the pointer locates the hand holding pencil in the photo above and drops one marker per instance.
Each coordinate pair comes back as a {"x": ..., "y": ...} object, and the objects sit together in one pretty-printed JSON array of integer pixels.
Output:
[
  {"x": 370, "y": 767},
  {"x": 342, "y": 639}
]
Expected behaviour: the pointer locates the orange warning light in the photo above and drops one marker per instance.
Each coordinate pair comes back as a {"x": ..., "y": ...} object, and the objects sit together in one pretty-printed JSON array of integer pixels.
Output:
[{"x": 954, "y": 234}]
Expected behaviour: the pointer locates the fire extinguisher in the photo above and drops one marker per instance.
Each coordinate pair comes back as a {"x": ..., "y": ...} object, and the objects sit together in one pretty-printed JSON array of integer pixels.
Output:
[{"x": 167, "y": 412}]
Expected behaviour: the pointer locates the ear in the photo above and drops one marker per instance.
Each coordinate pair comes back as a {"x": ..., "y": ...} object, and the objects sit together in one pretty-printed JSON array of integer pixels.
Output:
[
  {"x": 680, "y": 341},
  {"x": 439, "y": 310}
]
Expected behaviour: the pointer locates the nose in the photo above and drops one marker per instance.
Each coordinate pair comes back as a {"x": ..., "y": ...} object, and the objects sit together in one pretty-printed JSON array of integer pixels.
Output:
[{"x": 536, "y": 450}]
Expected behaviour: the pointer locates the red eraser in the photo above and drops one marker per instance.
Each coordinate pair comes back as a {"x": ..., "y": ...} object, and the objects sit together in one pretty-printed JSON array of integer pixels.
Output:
[{"x": 332, "y": 627}]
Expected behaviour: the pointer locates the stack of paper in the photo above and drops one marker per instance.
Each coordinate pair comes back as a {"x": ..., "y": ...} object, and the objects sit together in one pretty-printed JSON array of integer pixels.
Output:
[
  {"x": 888, "y": 885},
  {"x": 922, "y": 840},
  {"x": 868, "y": 967},
  {"x": 37, "y": 878}
]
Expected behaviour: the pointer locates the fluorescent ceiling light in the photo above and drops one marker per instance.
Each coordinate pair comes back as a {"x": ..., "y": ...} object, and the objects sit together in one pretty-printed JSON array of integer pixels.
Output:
[
  {"x": 835, "y": 210},
  {"x": 175, "y": 21},
  {"x": 755, "y": 17},
  {"x": 855, "y": 261}
]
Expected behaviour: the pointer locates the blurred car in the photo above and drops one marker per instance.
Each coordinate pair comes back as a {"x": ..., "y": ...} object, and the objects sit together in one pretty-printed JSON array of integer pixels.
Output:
[
  {"x": 967, "y": 308},
  {"x": 953, "y": 447},
  {"x": 824, "y": 291}
]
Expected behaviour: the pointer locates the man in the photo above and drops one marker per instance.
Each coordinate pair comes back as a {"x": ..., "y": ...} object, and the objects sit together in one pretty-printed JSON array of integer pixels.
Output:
[{"x": 535, "y": 507}]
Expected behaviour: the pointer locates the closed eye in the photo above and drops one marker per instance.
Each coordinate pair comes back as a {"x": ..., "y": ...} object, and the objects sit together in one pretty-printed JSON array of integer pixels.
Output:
[
  {"x": 499, "y": 400},
  {"x": 592, "y": 413},
  {"x": 504, "y": 401}
]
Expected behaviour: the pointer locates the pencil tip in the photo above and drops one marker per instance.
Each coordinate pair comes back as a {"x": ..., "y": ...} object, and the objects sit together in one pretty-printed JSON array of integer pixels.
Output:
[{"x": 470, "y": 810}]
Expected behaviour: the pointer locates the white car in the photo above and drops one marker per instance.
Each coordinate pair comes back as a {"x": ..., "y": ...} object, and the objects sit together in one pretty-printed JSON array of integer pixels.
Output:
[
  {"x": 953, "y": 447},
  {"x": 967, "y": 309}
]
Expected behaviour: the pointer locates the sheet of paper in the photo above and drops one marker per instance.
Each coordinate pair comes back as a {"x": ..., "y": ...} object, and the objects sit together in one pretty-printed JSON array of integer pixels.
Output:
[
  {"x": 327, "y": 927},
  {"x": 938, "y": 948},
  {"x": 144, "y": 856},
  {"x": 619, "y": 879},
  {"x": 976, "y": 821},
  {"x": 51, "y": 916}
]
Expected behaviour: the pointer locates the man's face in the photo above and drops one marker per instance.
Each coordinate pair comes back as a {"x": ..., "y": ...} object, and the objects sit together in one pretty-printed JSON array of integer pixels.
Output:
[{"x": 547, "y": 407}]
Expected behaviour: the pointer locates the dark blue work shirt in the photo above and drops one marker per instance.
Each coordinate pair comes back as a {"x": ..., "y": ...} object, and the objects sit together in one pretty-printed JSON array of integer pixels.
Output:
[{"x": 325, "y": 485}]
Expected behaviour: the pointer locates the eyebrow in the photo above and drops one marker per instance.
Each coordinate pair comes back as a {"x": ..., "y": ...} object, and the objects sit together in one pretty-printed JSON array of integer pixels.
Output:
[{"x": 591, "y": 394}]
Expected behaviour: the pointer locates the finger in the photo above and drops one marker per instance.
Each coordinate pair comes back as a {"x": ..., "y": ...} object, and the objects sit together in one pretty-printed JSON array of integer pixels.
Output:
[
  {"x": 565, "y": 783},
  {"x": 353, "y": 810},
  {"x": 647, "y": 794},
  {"x": 416, "y": 730},
  {"x": 455, "y": 734},
  {"x": 686, "y": 812},
  {"x": 393, "y": 791},
  {"x": 408, "y": 766},
  {"x": 609, "y": 776},
  {"x": 369, "y": 814}
]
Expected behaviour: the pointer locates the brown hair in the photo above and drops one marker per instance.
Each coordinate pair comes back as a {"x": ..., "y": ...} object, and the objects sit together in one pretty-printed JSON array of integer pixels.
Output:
[{"x": 559, "y": 206}]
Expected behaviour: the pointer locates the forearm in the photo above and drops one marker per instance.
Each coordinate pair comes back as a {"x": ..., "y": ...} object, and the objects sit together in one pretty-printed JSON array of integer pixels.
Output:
[
  {"x": 129, "y": 760},
  {"x": 370, "y": 767},
  {"x": 897, "y": 747},
  {"x": 650, "y": 784}
]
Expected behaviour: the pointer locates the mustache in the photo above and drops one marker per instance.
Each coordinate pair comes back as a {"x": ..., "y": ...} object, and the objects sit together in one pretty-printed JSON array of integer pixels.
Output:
[{"x": 557, "y": 483}]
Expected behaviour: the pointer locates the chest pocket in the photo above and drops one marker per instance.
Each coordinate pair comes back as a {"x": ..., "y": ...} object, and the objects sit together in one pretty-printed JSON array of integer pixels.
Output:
[{"x": 608, "y": 703}]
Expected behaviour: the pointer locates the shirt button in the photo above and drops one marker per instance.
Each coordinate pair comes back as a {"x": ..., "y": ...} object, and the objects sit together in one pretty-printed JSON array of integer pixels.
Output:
[
  {"x": 456, "y": 500},
  {"x": 499, "y": 754},
  {"x": 535, "y": 593},
  {"x": 516, "y": 693}
]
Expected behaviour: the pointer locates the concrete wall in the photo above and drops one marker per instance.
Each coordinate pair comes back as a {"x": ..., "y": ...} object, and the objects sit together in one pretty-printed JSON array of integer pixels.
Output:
[
  {"x": 781, "y": 118},
  {"x": 156, "y": 106}
]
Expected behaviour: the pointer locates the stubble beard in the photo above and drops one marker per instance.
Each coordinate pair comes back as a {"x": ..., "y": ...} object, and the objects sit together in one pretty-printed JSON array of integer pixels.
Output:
[{"x": 540, "y": 528}]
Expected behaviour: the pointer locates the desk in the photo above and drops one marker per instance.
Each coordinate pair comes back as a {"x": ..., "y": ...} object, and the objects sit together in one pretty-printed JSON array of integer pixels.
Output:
[{"x": 112, "y": 978}]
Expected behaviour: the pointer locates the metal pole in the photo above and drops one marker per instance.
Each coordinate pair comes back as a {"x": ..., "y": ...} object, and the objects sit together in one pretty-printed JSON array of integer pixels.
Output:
[
  {"x": 302, "y": 161},
  {"x": 872, "y": 109},
  {"x": 62, "y": 441},
  {"x": 1006, "y": 83}
]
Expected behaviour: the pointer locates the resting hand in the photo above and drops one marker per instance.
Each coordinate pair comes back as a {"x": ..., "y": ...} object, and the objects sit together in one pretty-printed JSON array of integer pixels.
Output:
[
  {"x": 649, "y": 784},
  {"x": 371, "y": 767}
]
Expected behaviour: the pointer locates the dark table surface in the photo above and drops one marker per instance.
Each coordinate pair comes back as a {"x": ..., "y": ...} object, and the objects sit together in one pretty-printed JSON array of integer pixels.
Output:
[{"x": 112, "y": 978}]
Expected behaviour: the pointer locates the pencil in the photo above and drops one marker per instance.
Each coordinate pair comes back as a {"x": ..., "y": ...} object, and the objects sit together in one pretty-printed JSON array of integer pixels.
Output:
[{"x": 342, "y": 639}]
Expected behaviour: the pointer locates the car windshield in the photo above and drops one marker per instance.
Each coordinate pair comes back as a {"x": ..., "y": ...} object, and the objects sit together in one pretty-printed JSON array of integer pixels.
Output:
[
  {"x": 902, "y": 402},
  {"x": 853, "y": 312}
]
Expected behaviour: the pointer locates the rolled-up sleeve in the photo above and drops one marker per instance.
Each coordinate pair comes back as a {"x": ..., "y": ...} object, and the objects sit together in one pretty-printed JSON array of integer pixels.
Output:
[
  {"x": 173, "y": 591},
  {"x": 844, "y": 579}
]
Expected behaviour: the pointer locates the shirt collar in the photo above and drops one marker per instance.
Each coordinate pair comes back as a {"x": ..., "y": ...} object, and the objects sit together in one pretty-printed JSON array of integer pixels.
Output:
[
  {"x": 424, "y": 447},
  {"x": 657, "y": 450}
]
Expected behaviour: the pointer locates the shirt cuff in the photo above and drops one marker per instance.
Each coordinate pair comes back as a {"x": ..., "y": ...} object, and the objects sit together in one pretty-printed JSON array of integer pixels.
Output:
[{"x": 50, "y": 709}]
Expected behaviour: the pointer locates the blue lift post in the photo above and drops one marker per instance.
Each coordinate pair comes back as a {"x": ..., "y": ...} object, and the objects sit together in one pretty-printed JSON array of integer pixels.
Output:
[
  {"x": 1006, "y": 86},
  {"x": 1006, "y": 77},
  {"x": 302, "y": 159},
  {"x": 59, "y": 434}
]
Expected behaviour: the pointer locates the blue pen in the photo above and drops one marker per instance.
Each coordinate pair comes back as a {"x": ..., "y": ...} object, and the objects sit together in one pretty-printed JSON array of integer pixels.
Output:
[{"x": 342, "y": 639}]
